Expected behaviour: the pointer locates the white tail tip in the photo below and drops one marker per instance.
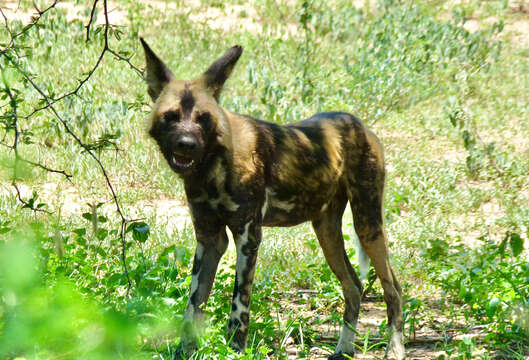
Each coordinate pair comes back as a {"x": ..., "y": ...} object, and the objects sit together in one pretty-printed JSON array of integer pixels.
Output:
[{"x": 363, "y": 259}]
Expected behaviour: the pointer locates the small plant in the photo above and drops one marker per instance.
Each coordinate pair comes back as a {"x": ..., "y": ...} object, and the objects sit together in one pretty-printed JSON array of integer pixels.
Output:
[
  {"x": 481, "y": 156},
  {"x": 491, "y": 282},
  {"x": 412, "y": 317}
]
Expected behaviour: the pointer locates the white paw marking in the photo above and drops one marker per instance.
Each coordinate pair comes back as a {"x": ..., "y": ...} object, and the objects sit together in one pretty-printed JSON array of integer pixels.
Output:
[
  {"x": 346, "y": 340},
  {"x": 396, "y": 345},
  {"x": 242, "y": 240}
]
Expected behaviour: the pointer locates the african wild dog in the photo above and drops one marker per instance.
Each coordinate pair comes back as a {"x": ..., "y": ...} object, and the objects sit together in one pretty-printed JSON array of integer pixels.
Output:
[{"x": 243, "y": 173}]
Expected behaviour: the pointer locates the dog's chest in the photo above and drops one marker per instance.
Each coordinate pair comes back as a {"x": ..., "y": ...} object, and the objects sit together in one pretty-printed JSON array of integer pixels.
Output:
[{"x": 214, "y": 192}]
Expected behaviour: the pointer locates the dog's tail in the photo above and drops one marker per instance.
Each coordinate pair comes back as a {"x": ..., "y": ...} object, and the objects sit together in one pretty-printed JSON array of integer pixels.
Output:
[{"x": 363, "y": 259}]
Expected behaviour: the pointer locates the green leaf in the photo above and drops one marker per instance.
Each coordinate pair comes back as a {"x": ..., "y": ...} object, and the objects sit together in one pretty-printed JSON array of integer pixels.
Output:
[
  {"x": 102, "y": 234},
  {"x": 80, "y": 231},
  {"x": 516, "y": 244},
  {"x": 492, "y": 306},
  {"x": 140, "y": 231}
]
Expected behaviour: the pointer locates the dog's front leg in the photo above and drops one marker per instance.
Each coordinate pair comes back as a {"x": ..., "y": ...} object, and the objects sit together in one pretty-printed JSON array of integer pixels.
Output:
[
  {"x": 210, "y": 248},
  {"x": 247, "y": 240}
]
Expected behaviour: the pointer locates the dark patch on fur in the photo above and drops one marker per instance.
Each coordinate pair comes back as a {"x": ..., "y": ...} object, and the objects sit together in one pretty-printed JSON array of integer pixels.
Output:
[
  {"x": 211, "y": 189},
  {"x": 318, "y": 156},
  {"x": 234, "y": 323},
  {"x": 187, "y": 101},
  {"x": 206, "y": 122},
  {"x": 244, "y": 294},
  {"x": 245, "y": 318},
  {"x": 193, "y": 298},
  {"x": 196, "y": 265}
]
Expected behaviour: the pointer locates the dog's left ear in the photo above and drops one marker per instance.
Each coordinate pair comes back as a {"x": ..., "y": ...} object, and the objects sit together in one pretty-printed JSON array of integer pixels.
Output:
[{"x": 217, "y": 74}]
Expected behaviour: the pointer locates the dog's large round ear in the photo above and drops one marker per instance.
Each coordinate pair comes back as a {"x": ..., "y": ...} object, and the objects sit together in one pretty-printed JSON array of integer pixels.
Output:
[
  {"x": 157, "y": 74},
  {"x": 218, "y": 72}
]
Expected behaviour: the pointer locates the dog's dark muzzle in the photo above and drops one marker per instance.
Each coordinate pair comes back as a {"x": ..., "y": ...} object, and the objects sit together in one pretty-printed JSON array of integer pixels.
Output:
[{"x": 185, "y": 151}]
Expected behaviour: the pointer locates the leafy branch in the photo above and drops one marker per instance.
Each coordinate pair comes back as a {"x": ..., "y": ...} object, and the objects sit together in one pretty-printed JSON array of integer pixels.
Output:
[{"x": 12, "y": 119}]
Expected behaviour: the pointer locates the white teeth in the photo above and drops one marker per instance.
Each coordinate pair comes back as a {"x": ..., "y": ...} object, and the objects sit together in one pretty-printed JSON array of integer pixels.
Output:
[{"x": 181, "y": 164}]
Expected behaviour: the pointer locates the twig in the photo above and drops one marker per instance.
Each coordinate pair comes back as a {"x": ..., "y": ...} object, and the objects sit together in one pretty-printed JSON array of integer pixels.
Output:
[
  {"x": 91, "y": 19},
  {"x": 86, "y": 148},
  {"x": 44, "y": 167},
  {"x": 106, "y": 48},
  {"x": 127, "y": 60},
  {"x": 24, "y": 202},
  {"x": 34, "y": 22},
  {"x": 50, "y": 106},
  {"x": 426, "y": 339},
  {"x": 67, "y": 175}
]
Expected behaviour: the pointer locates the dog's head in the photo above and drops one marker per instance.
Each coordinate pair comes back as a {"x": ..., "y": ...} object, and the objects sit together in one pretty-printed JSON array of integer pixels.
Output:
[{"x": 186, "y": 119}]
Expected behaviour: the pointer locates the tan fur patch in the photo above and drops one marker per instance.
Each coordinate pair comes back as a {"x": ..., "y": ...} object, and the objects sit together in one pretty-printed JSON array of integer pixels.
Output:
[
  {"x": 244, "y": 142},
  {"x": 304, "y": 140},
  {"x": 169, "y": 98},
  {"x": 333, "y": 145}
]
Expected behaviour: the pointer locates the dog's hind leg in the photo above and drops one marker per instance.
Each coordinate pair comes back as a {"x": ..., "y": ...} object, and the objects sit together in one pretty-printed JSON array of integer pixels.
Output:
[
  {"x": 366, "y": 195},
  {"x": 329, "y": 232}
]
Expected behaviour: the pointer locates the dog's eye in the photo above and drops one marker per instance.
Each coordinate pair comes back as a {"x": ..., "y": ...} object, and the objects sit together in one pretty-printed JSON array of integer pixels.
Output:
[
  {"x": 204, "y": 118},
  {"x": 171, "y": 116}
]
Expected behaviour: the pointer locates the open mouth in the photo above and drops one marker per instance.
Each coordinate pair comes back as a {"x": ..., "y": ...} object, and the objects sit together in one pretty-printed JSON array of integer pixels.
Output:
[{"x": 182, "y": 161}]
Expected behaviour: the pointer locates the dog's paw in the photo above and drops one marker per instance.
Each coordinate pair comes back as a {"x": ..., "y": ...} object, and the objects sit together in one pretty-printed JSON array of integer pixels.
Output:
[
  {"x": 397, "y": 352},
  {"x": 341, "y": 356},
  {"x": 396, "y": 348}
]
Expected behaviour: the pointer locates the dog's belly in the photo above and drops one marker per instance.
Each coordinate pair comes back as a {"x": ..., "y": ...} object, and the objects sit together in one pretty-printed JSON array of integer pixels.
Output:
[{"x": 296, "y": 208}]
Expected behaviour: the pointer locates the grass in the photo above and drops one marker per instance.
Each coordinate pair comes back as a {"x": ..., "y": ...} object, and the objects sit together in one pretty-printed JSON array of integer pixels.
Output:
[{"x": 450, "y": 106}]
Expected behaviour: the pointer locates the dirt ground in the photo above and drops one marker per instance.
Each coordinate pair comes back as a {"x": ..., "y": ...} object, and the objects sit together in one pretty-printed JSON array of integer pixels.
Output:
[{"x": 426, "y": 342}]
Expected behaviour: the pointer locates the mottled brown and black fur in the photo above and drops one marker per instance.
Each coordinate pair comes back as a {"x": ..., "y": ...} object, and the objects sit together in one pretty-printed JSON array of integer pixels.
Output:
[{"x": 243, "y": 173}]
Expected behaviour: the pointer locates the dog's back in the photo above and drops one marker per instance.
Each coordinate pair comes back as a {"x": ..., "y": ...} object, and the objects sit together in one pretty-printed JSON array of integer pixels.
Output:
[{"x": 301, "y": 166}]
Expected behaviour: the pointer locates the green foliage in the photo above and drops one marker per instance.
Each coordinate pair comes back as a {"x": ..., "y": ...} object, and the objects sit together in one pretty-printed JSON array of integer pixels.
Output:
[
  {"x": 491, "y": 280},
  {"x": 45, "y": 317},
  {"x": 64, "y": 282}
]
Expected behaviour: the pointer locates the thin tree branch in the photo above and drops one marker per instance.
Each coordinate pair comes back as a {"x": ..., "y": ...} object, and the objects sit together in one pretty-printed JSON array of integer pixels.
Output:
[
  {"x": 44, "y": 167},
  {"x": 35, "y": 20},
  {"x": 49, "y": 104},
  {"x": 106, "y": 48},
  {"x": 89, "y": 25},
  {"x": 24, "y": 202},
  {"x": 90, "y": 153},
  {"x": 127, "y": 60}
]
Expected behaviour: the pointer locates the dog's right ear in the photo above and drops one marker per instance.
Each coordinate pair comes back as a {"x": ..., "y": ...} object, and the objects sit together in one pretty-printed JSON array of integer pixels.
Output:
[{"x": 157, "y": 74}]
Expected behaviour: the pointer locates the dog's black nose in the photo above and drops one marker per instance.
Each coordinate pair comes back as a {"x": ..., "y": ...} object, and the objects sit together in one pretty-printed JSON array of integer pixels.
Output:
[{"x": 186, "y": 143}]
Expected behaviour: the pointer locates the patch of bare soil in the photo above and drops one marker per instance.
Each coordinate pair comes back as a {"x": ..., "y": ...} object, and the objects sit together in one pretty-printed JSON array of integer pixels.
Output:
[
  {"x": 116, "y": 16},
  {"x": 432, "y": 331},
  {"x": 66, "y": 201},
  {"x": 227, "y": 18}
]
